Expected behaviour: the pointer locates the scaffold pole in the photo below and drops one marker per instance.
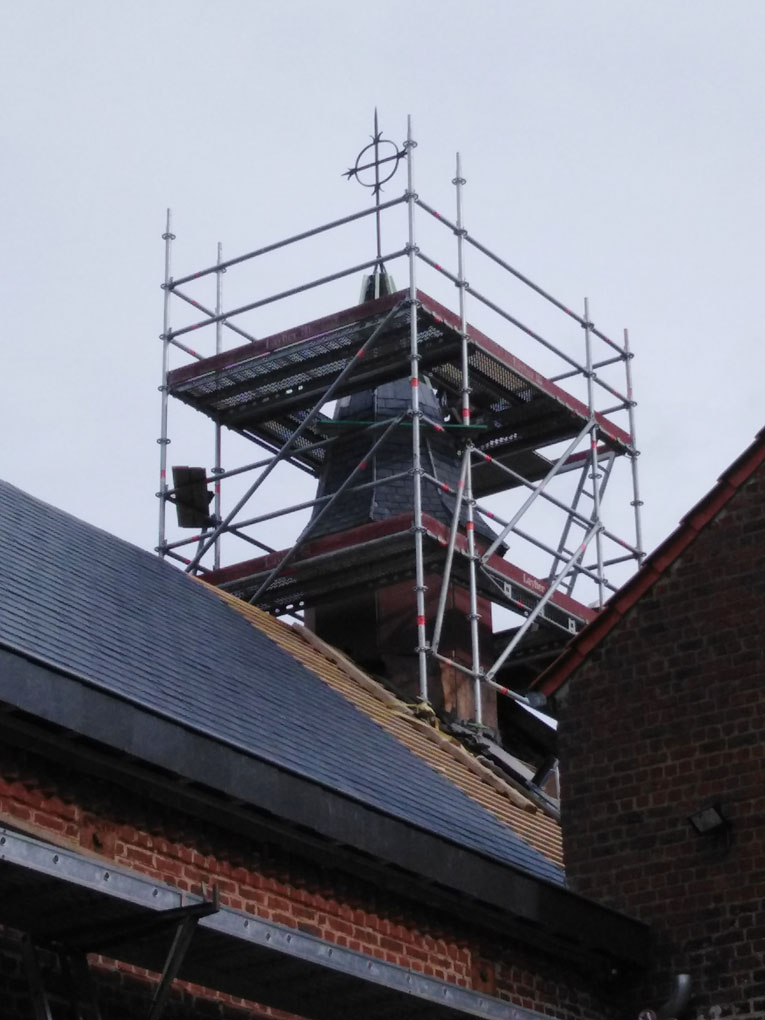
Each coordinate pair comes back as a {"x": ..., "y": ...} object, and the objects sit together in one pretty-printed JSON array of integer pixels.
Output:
[
  {"x": 454, "y": 528},
  {"x": 286, "y": 241},
  {"x": 462, "y": 286},
  {"x": 168, "y": 237},
  {"x": 594, "y": 466},
  {"x": 414, "y": 373},
  {"x": 293, "y": 438},
  {"x": 217, "y": 469},
  {"x": 634, "y": 452}
]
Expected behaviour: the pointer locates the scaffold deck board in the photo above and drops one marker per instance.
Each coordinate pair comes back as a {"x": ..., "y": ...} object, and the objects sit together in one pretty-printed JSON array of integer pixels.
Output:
[
  {"x": 380, "y": 553},
  {"x": 266, "y": 387}
]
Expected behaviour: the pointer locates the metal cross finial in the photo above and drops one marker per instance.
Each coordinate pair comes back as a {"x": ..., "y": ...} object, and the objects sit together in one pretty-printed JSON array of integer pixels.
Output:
[{"x": 376, "y": 181}]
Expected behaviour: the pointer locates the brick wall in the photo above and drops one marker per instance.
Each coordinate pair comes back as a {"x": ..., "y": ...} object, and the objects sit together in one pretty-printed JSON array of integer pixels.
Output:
[
  {"x": 73, "y": 809},
  {"x": 668, "y": 715}
]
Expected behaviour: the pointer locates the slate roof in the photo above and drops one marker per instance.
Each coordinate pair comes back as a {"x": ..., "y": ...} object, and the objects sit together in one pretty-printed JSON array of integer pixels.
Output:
[
  {"x": 441, "y": 751},
  {"x": 140, "y": 630}
]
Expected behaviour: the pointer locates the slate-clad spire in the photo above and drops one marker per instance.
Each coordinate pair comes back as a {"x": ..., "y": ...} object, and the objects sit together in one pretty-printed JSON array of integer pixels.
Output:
[
  {"x": 440, "y": 450},
  {"x": 440, "y": 458},
  {"x": 378, "y": 630}
]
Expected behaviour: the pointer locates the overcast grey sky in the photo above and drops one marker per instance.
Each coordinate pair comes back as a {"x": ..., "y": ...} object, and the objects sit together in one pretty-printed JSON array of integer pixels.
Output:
[{"x": 612, "y": 148}]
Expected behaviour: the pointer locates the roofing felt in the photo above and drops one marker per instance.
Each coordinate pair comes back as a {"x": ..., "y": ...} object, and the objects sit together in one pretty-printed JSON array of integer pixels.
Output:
[
  {"x": 266, "y": 387},
  {"x": 131, "y": 625}
]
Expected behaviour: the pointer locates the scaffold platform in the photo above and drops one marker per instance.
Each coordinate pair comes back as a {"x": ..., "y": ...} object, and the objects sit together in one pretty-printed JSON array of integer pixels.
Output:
[
  {"x": 372, "y": 555},
  {"x": 265, "y": 388}
]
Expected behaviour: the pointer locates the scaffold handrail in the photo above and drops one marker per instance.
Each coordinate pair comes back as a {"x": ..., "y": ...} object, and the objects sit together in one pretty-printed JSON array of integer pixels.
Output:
[
  {"x": 286, "y": 448},
  {"x": 516, "y": 273},
  {"x": 215, "y": 315},
  {"x": 291, "y": 292},
  {"x": 490, "y": 515},
  {"x": 276, "y": 245},
  {"x": 578, "y": 369}
]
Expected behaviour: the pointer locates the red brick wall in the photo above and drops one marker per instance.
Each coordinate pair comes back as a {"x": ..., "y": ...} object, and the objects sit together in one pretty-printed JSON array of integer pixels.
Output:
[
  {"x": 51, "y": 801},
  {"x": 666, "y": 716}
]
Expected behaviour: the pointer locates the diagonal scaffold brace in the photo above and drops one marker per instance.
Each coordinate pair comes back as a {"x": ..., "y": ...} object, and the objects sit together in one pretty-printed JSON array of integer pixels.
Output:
[{"x": 290, "y": 443}]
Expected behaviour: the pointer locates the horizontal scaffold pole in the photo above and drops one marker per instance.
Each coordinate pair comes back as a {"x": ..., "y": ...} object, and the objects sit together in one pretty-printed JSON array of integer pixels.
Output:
[
  {"x": 552, "y": 499},
  {"x": 319, "y": 445},
  {"x": 351, "y": 271},
  {"x": 304, "y": 424},
  {"x": 518, "y": 275},
  {"x": 207, "y": 311},
  {"x": 577, "y": 368},
  {"x": 521, "y": 631},
  {"x": 287, "y": 241},
  {"x": 313, "y": 523},
  {"x": 536, "y": 491},
  {"x": 236, "y": 529},
  {"x": 525, "y": 535}
]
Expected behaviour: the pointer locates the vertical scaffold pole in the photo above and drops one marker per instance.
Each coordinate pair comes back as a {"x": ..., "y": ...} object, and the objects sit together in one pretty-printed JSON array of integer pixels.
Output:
[
  {"x": 448, "y": 562},
  {"x": 414, "y": 360},
  {"x": 634, "y": 452},
  {"x": 474, "y": 615},
  {"x": 217, "y": 469},
  {"x": 593, "y": 451},
  {"x": 168, "y": 237}
]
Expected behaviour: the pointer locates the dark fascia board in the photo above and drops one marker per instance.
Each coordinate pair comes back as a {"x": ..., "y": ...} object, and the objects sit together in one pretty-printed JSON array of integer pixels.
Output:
[{"x": 442, "y": 872}]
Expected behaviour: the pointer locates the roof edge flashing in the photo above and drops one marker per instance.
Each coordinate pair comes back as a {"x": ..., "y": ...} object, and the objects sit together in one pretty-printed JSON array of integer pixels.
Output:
[{"x": 494, "y": 887}]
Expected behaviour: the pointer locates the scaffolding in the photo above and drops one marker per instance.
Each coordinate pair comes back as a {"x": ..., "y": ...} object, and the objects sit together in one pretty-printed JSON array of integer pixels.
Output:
[{"x": 526, "y": 440}]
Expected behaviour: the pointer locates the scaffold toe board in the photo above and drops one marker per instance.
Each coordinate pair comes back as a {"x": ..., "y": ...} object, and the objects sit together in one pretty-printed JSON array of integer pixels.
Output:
[
  {"x": 379, "y": 553},
  {"x": 259, "y": 387}
]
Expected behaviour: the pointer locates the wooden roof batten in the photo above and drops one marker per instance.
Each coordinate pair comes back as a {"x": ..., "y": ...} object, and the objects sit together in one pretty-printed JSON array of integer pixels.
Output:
[{"x": 444, "y": 753}]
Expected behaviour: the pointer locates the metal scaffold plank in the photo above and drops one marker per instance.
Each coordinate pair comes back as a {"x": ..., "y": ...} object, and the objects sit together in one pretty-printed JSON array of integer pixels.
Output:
[{"x": 252, "y": 386}]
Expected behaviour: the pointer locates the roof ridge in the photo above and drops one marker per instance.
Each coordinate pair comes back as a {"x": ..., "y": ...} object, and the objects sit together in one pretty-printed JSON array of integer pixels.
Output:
[{"x": 703, "y": 513}]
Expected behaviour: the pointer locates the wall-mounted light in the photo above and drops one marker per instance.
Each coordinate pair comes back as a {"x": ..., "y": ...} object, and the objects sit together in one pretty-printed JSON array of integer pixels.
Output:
[
  {"x": 676, "y": 1004},
  {"x": 709, "y": 819}
]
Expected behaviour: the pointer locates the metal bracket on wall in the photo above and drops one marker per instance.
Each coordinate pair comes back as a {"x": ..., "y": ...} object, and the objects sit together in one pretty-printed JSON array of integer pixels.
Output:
[
  {"x": 78, "y": 981},
  {"x": 72, "y": 945},
  {"x": 188, "y": 918}
]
